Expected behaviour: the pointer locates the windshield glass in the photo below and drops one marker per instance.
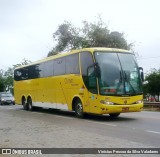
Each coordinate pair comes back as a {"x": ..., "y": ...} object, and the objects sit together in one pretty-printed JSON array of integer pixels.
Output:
[
  {"x": 119, "y": 74},
  {"x": 6, "y": 95}
]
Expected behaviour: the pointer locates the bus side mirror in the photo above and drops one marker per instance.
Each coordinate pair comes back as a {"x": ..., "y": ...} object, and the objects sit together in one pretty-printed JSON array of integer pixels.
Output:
[
  {"x": 97, "y": 70},
  {"x": 94, "y": 69},
  {"x": 141, "y": 73},
  {"x": 92, "y": 81}
]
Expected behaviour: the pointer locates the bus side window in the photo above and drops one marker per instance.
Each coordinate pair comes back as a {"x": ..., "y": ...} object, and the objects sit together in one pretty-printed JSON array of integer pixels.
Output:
[
  {"x": 17, "y": 75},
  {"x": 72, "y": 64},
  {"x": 21, "y": 74},
  {"x": 88, "y": 78},
  {"x": 59, "y": 66},
  {"x": 48, "y": 68},
  {"x": 36, "y": 71}
]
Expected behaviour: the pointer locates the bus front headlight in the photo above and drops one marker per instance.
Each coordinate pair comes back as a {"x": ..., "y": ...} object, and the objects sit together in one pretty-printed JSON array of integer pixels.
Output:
[
  {"x": 106, "y": 102},
  {"x": 139, "y": 102}
]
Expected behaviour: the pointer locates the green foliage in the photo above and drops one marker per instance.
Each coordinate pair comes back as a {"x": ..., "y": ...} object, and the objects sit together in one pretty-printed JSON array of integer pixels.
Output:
[
  {"x": 2, "y": 87},
  {"x": 52, "y": 52},
  {"x": 96, "y": 34},
  {"x": 152, "y": 85},
  {"x": 6, "y": 79}
]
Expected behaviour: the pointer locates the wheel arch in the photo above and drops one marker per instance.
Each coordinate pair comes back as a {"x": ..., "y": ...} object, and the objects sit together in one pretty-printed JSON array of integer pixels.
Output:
[
  {"x": 29, "y": 97},
  {"x": 23, "y": 98}
]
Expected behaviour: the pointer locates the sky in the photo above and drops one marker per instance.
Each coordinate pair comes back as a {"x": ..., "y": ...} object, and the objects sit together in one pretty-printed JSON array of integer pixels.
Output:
[{"x": 27, "y": 26}]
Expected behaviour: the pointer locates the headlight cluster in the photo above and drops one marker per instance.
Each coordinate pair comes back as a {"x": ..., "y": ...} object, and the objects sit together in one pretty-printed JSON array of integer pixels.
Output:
[
  {"x": 106, "y": 102},
  {"x": 139, "y": 102}
]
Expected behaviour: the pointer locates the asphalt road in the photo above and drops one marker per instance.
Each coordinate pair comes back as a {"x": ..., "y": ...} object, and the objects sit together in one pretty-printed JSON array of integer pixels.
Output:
[{"x": 141, "y": 129}]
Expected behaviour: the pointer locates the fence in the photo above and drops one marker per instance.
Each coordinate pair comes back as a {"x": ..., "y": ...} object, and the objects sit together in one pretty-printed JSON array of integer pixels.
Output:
[{"x": 152, "y": 104}]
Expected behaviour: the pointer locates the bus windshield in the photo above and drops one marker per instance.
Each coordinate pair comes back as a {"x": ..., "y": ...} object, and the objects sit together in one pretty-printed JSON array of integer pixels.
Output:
[{"x": 119, "y": 74}]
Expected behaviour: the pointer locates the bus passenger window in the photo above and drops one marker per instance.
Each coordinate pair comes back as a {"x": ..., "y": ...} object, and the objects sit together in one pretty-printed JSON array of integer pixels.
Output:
[
  {"x": 59, "y": 66},
  {"x": 72, "y": 64}
]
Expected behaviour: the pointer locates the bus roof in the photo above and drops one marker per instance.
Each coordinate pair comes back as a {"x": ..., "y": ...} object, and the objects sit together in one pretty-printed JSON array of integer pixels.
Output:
[{"x": 76, "y": 51}]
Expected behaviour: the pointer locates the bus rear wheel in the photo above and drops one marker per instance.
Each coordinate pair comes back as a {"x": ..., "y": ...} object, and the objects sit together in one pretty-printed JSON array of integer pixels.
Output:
[
  {"x": 114, "y": 115},
  {"x": 29, "y": 102},
  {"x": 79, "y": 109},
  {"x": 24, "y": 104}
]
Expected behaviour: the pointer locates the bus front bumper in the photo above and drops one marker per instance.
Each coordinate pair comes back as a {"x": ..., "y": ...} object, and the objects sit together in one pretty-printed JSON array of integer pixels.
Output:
[{"x": 108, "y": 109}]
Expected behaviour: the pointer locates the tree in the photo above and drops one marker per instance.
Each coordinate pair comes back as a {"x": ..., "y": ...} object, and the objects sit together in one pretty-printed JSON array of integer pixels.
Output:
[
  {"x": 8, "y": 79},
  {"x": 152, "y": 85},
  {"x": 68, "y": 37},
  {"x": 2, "y": 86},
  {"x": 24, "y": 62}
]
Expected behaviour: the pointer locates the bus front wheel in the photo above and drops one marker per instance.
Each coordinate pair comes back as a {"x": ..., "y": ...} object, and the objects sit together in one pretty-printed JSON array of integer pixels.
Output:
[{"x": 79, "y": 109}]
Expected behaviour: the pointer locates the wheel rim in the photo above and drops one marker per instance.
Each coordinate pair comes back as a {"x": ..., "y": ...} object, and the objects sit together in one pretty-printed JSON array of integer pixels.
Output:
[
  {"x": 30, "y": 105},
  {"x": 23, "y": 103},
  {"x": 79, "y": 109}
]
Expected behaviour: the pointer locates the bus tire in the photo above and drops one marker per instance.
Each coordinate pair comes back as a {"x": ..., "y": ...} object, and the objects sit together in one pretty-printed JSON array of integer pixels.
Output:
[
  {"x": 29, "y": 102},
  {"x": 24, "y": 104},
  {"x": 79, "y": 109},
  {"x": 114, "y": 115}
]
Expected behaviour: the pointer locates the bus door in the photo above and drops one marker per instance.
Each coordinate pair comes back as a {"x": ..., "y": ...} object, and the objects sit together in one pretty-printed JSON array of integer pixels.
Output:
[
  {"x": 89, "y": 80},
  {"x": 92, "y": 89}
]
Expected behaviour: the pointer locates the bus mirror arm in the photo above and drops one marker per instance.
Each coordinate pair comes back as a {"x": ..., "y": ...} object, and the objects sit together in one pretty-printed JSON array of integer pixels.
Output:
[{"x": 141, "y": 73}]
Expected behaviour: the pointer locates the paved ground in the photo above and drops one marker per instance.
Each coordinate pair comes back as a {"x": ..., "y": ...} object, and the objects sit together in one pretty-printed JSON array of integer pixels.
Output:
[{"x": 59, "y": 129}]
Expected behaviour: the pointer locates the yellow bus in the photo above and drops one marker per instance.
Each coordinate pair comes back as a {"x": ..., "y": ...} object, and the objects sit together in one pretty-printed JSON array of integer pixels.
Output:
[{"x": 90, "y": 80}]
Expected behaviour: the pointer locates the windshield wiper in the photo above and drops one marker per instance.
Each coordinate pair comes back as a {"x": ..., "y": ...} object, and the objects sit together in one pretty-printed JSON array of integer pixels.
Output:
[{"x": 126, "y": 79}]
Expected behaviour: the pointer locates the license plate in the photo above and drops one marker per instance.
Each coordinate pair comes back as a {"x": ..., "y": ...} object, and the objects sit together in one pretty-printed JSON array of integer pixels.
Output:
[{"x": 125, "y": 109}]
